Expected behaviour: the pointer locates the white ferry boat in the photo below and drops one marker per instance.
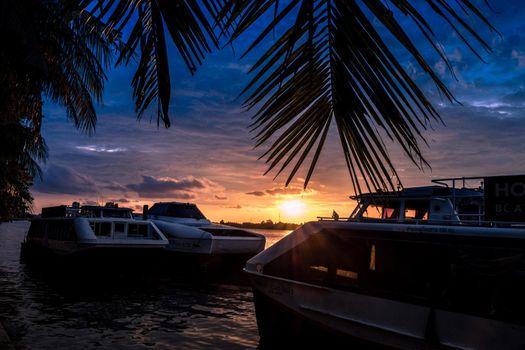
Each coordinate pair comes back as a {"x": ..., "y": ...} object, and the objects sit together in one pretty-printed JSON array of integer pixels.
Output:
[
  {"x": 74, "y": 231},
  {"x": 434, "y": 267},
  {"x": 191, "y": 234}
]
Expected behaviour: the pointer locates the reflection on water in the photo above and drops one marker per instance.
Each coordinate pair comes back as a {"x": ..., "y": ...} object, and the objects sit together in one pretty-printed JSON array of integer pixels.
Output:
[{"x": 121, "y": 311}]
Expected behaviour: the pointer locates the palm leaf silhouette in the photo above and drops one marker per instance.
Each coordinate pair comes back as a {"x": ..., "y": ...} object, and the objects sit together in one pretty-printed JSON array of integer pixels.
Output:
[
  {"x": 188, "y": 24},
  {"x": 332, "y": 65}
]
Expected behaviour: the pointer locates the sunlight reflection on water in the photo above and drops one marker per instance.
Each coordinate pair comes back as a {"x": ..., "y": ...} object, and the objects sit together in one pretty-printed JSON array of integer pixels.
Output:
[{"x": 121, "y": 313}]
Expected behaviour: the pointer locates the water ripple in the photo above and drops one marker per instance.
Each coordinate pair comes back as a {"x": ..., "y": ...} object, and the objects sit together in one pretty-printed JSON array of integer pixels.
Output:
[{"x": 122, "y": 313}]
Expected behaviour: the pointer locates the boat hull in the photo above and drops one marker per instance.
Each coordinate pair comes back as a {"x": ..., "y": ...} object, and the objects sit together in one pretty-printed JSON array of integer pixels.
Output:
[
  {"x": 217, "y": 246},
  {"x": 91, "y": 257},
  {"x": 403, "y": 286},
  {"x": 289, "y": 312}
]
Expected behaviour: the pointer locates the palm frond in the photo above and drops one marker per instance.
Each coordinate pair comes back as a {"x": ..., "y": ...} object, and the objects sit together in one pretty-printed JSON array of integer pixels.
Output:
[
  {"x": 332, "y": 63},
  {"x": 189, "y": 26}
]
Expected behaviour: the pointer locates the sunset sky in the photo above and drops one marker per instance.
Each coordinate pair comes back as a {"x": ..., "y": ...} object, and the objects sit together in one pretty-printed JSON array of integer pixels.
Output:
[{"x": 207, "y": 156}]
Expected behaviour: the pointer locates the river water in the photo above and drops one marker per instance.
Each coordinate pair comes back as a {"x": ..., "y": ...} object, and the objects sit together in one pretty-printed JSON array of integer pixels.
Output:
[{"x": 43, "y": 312}]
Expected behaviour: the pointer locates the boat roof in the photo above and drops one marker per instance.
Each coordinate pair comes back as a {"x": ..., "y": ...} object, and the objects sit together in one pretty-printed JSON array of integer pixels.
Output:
[
  {"x": 93, "y": 207},
  {"x": 423, "y": 192},
  {"x": 178, "y": 203}
]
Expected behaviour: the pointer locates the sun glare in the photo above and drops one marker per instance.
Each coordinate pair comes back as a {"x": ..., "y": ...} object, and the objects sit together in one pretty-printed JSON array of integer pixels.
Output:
[{"x": 293, "y": 208}]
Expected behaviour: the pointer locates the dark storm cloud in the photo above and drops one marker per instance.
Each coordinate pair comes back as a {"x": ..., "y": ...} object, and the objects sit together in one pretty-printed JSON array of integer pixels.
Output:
[
  {"x": 152, "y": 187},
  {"x": 59, "y": 179}
]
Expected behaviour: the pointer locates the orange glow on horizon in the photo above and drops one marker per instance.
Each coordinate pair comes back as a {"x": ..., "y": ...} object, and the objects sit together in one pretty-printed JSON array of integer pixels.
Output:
[{"x": 292, "y": 209}]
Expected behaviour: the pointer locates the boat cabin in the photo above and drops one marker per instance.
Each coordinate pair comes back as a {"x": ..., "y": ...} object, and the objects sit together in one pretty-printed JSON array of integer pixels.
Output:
[
  {"x": 176, "y": 210},
  {"x": 106, "y": 222},
  {"x": 429, "y": 204},
  {"x": 454, "y": 248}
]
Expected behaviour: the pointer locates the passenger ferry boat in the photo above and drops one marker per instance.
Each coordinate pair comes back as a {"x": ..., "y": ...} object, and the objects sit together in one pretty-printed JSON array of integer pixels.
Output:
[
  {"x": 105, "y": 231},
  {"x": 431, "y": 267},
  {"x": 191, "y": 234}
]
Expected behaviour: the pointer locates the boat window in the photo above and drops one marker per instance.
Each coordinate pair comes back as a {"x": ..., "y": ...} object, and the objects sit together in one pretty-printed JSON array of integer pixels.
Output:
[
  {"x": 373, "y": 211},
  {"x": 137, "y": 230},
  {"x": 124, "y": 214},
  {"x": 184, "y": 211},
  {"x": 346, "y": 273},
  {"x": 385, "y": 211},
  {"x": 478, "y": 280},
  {"x": 103, "y": 229},
  {"x": 120, "y": 227},
  {"x": 61, "y": 230},
  {"x": 372, "y": 265},
  {"x": 158, "y": 209},
  {"x": 91, "y": 212},
  {"x": 391, "y": 211},
  {"x": 416, "y": 210},
  {"x": 309, "y": 263}
]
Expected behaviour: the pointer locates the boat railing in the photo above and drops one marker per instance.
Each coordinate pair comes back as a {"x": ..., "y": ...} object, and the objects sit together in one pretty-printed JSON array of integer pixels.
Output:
[
  {"x": 130, "y": 230},
  {"x": 479, "y": 223},
  {"x": 452, "y": 181}
]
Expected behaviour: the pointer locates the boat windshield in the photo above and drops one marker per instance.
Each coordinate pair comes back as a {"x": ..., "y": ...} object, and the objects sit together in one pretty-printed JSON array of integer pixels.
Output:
[
  {"x": 177, "y": 210},
  {"x": 386, "y": 211},
  {"x": 391, "y": 210}
]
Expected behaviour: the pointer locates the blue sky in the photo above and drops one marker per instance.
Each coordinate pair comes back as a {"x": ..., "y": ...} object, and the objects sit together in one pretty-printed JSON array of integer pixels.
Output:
[{"x": 207, "y": 155}]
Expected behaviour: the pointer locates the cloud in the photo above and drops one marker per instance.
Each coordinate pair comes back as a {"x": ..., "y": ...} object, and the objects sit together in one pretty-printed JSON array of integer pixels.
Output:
[
  {"x": 58, "y": 179},
  {"x": 120, "y": 200},
  {"x": 256, "y": 193},
  {"x": 282, "y": 191},
  {"x": 166, "y": 187},
  {"x": 455, "y": 56},
  {"x": 100, "y": 149},
  {"x": 240, "y": 67},
  {"x": 238, "y": 206},
  {"x": 516, "y": 98},
  {"x": 519, "y": 57},
  {"x": 291, "y": 190},
  {"x": 440, "y": 67},
  {"x": 114, "y": 186},
  {"x": 221, "y": 198},
  {"x": 181, "y": 195}
]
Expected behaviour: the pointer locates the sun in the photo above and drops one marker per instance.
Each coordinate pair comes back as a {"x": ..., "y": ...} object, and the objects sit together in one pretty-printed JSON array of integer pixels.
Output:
[{"x": 292, "y": 208}]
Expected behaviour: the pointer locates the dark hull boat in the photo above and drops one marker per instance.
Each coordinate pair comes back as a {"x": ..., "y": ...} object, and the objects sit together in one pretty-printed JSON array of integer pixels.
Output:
[{"x": 428, "y": 271}]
